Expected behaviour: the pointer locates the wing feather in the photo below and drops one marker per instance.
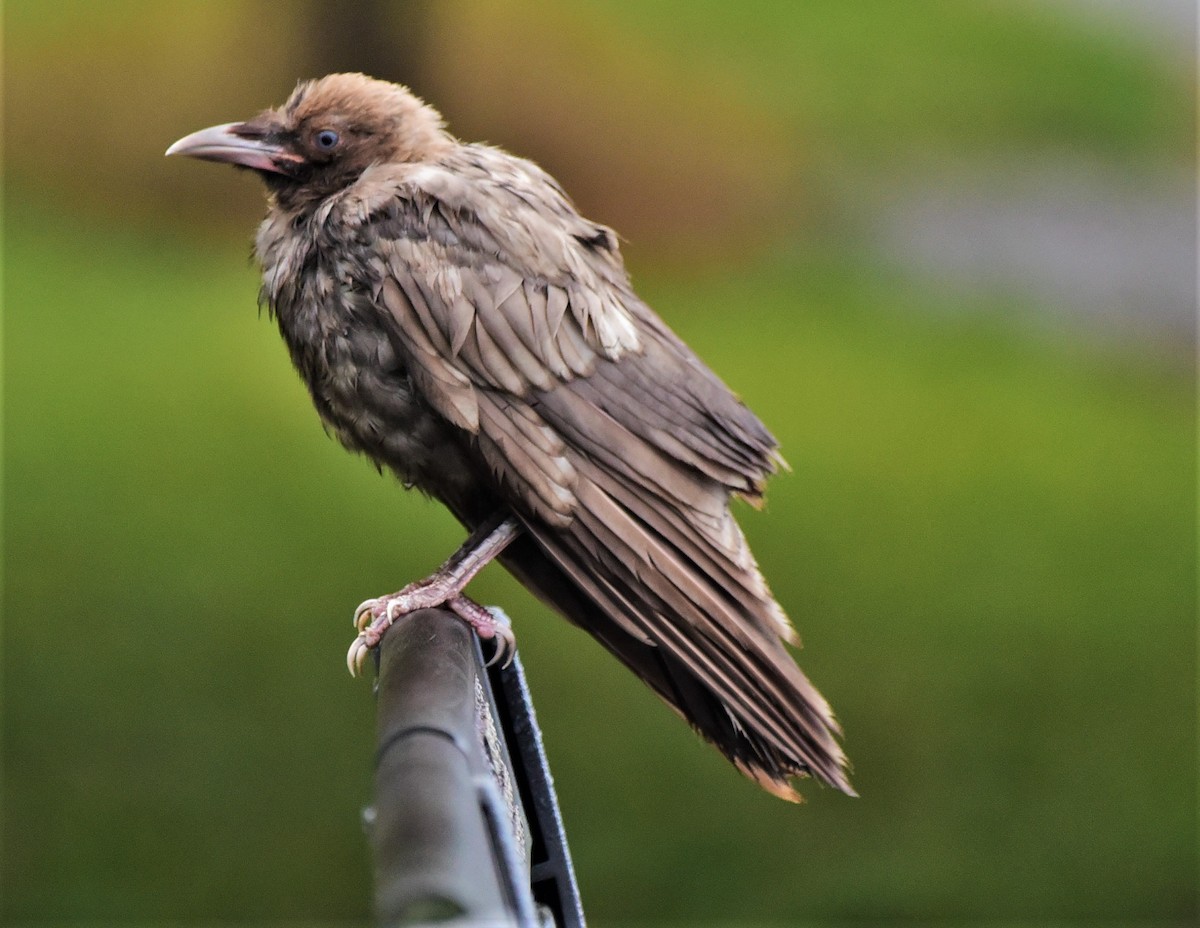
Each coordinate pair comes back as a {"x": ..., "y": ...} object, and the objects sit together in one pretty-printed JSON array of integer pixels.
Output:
[
  {"x": 444, "y": 386},
  {"x": 517, "y": 446}
]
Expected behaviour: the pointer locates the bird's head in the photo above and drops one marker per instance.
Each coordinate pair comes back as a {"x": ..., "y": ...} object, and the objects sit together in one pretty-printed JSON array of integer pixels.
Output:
[{"x": 329, "y": 132}]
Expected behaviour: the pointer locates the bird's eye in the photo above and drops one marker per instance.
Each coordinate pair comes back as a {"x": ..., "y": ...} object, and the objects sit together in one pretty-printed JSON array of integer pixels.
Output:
[{"x": 326, "y": 140}]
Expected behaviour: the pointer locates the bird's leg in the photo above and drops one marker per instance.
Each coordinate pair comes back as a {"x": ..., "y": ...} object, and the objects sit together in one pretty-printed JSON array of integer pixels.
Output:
[{"x": 443, "y": 588}]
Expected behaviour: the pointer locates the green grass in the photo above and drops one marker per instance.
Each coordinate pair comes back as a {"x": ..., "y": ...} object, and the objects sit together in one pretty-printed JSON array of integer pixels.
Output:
[
  {"x": 986, "y": 543},
  {"x": 893, "y": 83}
]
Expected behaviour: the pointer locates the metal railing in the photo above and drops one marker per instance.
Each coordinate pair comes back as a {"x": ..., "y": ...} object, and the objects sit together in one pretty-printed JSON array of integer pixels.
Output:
[{"x": 465, "y": 826}]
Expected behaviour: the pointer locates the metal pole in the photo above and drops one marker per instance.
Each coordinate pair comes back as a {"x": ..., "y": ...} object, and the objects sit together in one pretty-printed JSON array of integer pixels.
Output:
[{"x": 434, "y": 861}]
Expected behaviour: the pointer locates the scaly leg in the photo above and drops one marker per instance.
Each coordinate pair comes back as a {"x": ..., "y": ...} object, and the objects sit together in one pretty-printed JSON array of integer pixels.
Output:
[{"x": 443, "y": 588}]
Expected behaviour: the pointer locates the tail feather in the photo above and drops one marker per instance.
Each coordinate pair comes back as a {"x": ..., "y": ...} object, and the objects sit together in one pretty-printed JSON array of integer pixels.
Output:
[{"x": 701, "y": 631}]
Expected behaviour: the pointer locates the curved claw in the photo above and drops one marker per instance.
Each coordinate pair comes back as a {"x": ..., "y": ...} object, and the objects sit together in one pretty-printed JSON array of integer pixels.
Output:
[
  {"x": 357, "y": 655},
  {"x": 362, "y": 615},
  {"x": 502, "y": 634},
  {"x": 395, "y": 609},
  {"x": 506, "y": 647}
]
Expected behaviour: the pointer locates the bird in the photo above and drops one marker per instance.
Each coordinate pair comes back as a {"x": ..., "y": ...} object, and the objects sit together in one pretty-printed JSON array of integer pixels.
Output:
[{"x": 459, "y": 322}]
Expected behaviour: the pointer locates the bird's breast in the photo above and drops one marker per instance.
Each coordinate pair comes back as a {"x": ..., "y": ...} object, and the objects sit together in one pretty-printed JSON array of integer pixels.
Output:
[{"x": 340, "y": 343}]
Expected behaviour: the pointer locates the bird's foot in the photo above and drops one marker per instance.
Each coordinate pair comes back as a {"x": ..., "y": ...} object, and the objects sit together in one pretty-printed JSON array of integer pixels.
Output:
[
  {"x": 381, "y": 611},
  {"x": 444, "y": 588},
  {"x": 375, "y": 616}
]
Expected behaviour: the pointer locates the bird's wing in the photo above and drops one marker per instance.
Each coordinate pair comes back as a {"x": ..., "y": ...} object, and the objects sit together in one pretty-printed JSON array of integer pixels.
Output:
[{"x": 617, "y": 446}]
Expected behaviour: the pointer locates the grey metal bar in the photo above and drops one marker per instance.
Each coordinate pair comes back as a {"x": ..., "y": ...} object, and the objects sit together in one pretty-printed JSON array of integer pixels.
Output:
[
  {"x": 434, "y": 862},
  {"x": 465, "y": 828}
]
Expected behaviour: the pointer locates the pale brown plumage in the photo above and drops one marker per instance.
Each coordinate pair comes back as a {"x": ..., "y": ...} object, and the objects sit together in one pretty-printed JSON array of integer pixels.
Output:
[{"x": 458, "y": 321}]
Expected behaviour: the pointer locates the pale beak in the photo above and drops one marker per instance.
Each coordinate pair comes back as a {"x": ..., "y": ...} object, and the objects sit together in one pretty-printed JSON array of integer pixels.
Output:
[{"x": 223, "y": 143}]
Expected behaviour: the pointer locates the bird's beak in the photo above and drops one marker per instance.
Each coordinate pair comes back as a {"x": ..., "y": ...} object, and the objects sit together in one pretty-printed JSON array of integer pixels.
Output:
[{"x": 224, "y": 143}]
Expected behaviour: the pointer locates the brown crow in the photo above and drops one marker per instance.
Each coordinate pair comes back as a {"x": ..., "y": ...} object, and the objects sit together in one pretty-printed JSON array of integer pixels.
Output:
[{"x": 457, "y": 321}]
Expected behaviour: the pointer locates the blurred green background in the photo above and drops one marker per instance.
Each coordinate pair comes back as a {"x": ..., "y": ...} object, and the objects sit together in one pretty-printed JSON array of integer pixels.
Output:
[{"x": 944, "y": 249}]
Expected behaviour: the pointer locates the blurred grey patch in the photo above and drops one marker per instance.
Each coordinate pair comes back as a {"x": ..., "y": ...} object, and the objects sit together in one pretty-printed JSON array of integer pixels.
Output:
[
  {"x": 1169, "y": 25},
  {"x": 1106, "y": 248}
]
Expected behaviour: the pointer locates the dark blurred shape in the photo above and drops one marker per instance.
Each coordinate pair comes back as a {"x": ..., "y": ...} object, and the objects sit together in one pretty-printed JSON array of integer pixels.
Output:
[{"x": 382, "y": 38}]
